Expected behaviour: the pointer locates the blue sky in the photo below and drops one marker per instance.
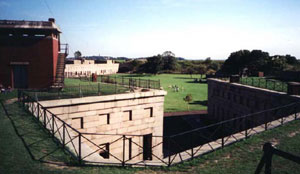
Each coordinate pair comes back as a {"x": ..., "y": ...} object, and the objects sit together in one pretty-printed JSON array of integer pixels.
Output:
[{"x": 193, "y": 29}]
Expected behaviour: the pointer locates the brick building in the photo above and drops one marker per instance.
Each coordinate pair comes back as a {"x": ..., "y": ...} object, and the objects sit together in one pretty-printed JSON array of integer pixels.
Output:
[{"x": 31, "y": 54}]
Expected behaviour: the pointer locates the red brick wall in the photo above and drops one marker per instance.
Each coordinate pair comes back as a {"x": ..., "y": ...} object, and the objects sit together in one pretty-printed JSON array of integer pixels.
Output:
[{"x": 40, "y": 53}]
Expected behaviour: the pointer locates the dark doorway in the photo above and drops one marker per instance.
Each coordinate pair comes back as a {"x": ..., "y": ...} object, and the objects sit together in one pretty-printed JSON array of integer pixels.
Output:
[
  {"x": 147, "y": 147},
  {"x": 20, "y": 76}
]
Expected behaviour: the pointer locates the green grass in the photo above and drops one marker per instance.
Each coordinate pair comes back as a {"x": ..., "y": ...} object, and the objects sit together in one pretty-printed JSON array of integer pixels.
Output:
[
  {"x": 174, "y": 100},
  {"x": 27, "y": 148},
  {"x": 241, "y": 157}
]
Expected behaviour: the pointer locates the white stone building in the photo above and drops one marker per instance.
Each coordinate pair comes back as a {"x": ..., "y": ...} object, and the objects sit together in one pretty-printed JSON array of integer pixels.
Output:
[{"x": 88, "y": 67}]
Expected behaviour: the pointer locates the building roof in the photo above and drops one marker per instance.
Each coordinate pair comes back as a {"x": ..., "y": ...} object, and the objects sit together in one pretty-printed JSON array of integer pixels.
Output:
[{"x": 35, "y": 25}]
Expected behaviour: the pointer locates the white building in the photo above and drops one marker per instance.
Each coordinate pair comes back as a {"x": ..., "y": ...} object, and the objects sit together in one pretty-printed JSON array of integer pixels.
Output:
[{"x": 88, "y": 67}]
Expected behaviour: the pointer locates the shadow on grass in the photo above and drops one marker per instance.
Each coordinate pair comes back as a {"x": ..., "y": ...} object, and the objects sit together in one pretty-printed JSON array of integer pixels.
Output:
[
  {"x": 189, "y": 78},
  {"x": 39, "y": 145},
  {"x": 198, "y": 102}
]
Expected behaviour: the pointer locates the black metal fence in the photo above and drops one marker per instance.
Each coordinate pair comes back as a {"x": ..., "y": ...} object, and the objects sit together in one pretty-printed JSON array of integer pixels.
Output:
[
  {"x": 175, "y": 149},
  {"x": 266, "y": 159},
  {"x": 265, "y": 83},
  {"x": 76, "y": 91},
  {"x": 131, "y": 82}
]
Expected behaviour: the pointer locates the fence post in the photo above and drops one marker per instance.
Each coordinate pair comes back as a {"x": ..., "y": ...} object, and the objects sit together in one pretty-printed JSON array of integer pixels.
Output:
[
  {"x": 158, "y": 83},
  {"x": 64, "y": 137},
  {"x": 222, "y": 127},
  {"x": 115, "y": 84},
  {"x": 79, "y": 148},
  {"x": 123, "y": 160},
  {"x": 192, "y": 149},
  {"x": 45, "y": 118},
  {"x": 268, "y": 160},
  {"x": 148, "y": 83},
  {"x": 32, "y": 106},
  {"x": 122, "y": 80},
  {"x": 246, "y": 128},
  {"x": 79, "y": 90},
  {"x": 139, "y": 82},
  {"x": 52, "y": 125},
  {"x": 38, "y": 112},
  {"x": 23, "y": 100},
  {"x": 296, "y": 112},
  {"x": 98, "y": 88},
  {"x": 169, "y": 155}
]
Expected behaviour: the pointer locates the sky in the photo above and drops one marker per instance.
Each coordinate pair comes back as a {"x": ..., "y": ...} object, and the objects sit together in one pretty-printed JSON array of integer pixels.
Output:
[{"x": 193, "y": 29}]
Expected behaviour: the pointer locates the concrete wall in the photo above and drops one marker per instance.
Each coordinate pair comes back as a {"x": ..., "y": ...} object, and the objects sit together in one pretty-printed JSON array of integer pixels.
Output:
[
  {"x": 109, "y": 117},
  {"x": 87, "y": 67},
  {"x": 229, "y": 100}
]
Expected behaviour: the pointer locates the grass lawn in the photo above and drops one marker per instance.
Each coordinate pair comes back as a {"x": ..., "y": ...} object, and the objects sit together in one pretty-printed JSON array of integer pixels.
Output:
[
  {"x": 174, "y": 100},
  {"x": 24, "y": 145}
]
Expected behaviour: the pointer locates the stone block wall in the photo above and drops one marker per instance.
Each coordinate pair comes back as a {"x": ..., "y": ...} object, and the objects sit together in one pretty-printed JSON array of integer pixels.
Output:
[
  {"x": 131, "y": 114},
  {"x": 230, "y": 100}
]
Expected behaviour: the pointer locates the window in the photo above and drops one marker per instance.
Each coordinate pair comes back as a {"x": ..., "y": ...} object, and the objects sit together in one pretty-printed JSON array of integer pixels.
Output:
[
  {"x": 104, "y": 151},
  {"x": 77, "y": 123},
  {"x": 128, "y": 114},
  {"x": 105, "y": 117},
  {"x": 149, "y": 111}
]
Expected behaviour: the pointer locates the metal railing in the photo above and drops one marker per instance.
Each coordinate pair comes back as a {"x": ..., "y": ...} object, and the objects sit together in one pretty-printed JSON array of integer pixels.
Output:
[
  {"x": 89, "y": 148},
  {"x": 131, "y": 82},
  {"x": 64, "y": 48},
  {"x": 265, "y": 83},
  {"x": 266, "y": 159},
  {"x": 77, "y": 91}
]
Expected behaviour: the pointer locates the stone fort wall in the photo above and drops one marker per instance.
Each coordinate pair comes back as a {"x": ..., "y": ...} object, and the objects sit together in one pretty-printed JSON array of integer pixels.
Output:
[
  {"x": 230, "y": 100},
  {"x": 137, "y": 114}
]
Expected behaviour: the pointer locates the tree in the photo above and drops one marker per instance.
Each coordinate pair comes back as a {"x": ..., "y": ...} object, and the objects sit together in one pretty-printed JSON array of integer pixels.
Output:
[
  {"x": 207, "y": 61},
  {"x": 254, "y": 61},
  {"x": 77, "y": 54},
  {"x": 214, "y": 65},
  {"x": 169, "y": 61},
  {"x": 168, "y": 54},
  {"x": 188, "y": 98},
  {"x": 191, "y": 70},
  {"x": 154, "y": 64},
  {"x": 201, "y": 69}
]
